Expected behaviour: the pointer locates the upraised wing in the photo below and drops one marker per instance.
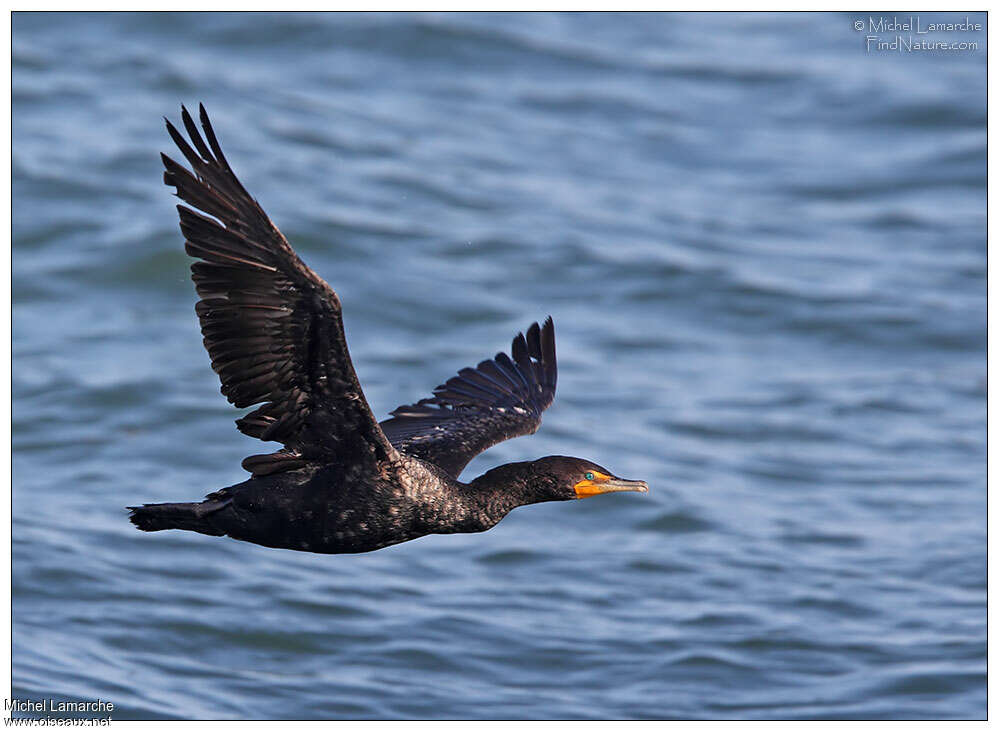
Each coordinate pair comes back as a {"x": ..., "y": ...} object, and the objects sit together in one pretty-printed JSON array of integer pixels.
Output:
[
  {"x": 497, "y": 400},
  {"x": 272, "y": 327}
]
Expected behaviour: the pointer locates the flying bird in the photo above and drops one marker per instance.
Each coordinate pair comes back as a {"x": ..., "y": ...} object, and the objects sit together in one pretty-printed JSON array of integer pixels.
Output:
[{"x": 342, "y": 482}]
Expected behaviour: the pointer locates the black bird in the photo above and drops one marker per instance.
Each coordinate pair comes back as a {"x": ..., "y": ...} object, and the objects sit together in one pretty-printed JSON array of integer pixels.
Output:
[{"x": 342, "y": 482}]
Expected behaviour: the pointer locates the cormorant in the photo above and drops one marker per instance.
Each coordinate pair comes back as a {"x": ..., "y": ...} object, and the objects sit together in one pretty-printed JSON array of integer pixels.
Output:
[{"x": 342, "y": 482}]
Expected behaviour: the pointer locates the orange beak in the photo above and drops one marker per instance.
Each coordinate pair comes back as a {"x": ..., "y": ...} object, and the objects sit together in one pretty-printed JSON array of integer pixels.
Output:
[{"x": 608, "y": 484}]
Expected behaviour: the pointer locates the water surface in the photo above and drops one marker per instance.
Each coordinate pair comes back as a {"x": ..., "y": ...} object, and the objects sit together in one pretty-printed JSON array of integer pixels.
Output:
[{"x": 765, "y": 253}]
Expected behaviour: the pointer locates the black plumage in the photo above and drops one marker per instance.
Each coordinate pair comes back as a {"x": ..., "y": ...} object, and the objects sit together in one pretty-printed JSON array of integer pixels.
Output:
[
  {"x": 342, "y": 482},
  {"x": 469, "y": 413}
]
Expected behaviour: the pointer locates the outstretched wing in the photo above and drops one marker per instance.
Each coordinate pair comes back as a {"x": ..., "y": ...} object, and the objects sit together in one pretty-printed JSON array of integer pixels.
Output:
[
  {"x": 480, "y": 407},
  {"x": 272, "y": 327}
]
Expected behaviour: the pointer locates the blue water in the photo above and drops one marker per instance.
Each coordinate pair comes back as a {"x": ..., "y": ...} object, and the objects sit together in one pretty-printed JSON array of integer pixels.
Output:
[{"x": 765, "y": 252}]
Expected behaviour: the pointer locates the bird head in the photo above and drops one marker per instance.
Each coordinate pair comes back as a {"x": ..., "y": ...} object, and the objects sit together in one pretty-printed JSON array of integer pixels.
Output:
[{"x": 564, "y": 478}]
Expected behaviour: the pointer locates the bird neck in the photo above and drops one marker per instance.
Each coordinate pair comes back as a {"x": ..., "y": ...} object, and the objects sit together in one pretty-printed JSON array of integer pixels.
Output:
[{"x": 502, "y": 489}]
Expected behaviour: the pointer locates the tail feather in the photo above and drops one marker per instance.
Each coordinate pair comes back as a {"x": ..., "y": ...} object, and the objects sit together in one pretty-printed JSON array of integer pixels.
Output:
[{"x": 189, "y": 516}]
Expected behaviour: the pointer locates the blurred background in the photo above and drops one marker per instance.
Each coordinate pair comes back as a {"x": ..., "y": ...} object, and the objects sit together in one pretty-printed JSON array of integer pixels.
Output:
[{"x": 764, "y": 247}]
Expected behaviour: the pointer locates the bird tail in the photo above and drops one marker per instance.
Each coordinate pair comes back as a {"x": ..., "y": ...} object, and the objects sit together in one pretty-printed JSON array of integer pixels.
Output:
[{"x": 188, "y": 516}]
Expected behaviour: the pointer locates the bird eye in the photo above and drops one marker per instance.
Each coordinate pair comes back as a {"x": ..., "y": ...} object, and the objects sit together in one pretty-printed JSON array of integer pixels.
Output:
[{"x": 588, "y": 476}]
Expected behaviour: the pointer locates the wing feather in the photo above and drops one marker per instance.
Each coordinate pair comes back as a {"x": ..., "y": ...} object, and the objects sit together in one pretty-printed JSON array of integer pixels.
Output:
[
  {"x": 272, "y": 327},
  {"x": 498, "y": 399}
]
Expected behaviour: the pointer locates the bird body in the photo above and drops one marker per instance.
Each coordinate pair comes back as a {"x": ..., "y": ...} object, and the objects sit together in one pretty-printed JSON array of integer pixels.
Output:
[
  {"x": 342, "y": 482},
  {"x": 328, "y": 509}
]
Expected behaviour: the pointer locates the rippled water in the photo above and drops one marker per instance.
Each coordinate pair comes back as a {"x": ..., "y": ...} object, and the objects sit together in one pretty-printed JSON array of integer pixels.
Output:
[{"x": 765, "y": 252}]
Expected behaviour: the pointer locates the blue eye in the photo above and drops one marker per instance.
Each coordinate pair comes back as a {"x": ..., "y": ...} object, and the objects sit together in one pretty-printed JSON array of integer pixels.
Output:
[{"x": 588, "y": 476}]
